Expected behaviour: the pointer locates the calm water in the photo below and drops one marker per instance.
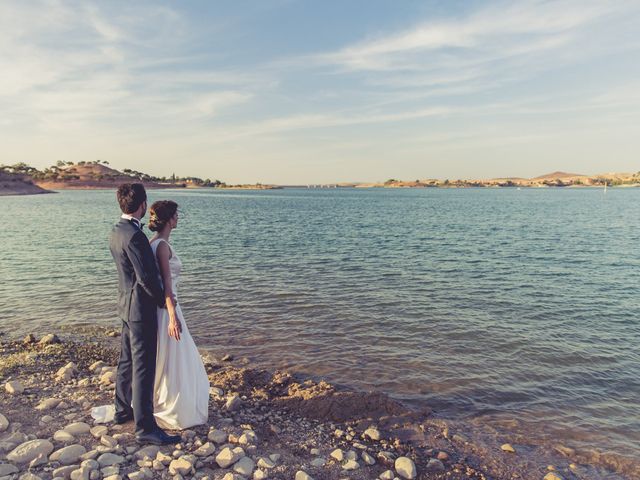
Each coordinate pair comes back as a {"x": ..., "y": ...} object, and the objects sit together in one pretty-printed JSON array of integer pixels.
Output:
[{"x": 485, "y": 303}]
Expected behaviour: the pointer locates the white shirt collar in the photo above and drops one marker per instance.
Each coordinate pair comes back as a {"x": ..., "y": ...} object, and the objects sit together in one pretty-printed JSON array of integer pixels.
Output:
[{"x": 126, "y": 216}]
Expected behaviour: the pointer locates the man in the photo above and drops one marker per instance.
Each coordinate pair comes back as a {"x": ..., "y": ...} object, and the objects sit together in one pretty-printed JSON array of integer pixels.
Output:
[{"x": 139, "y": 294}]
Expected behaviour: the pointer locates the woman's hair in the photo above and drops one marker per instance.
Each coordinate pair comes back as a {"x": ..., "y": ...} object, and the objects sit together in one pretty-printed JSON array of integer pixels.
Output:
[{"x": 160, "y": 213}]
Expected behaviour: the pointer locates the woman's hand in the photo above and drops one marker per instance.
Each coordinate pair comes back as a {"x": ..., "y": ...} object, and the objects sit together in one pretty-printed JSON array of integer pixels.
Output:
[{"x": 175, "y": 327}]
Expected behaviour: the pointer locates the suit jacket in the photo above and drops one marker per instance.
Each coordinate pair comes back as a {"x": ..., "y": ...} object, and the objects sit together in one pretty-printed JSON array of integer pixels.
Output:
[{"x": 139, "y": 287}]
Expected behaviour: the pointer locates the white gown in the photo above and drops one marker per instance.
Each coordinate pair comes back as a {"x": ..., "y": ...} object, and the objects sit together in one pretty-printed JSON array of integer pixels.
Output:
[{"x": 181, "y": 393}]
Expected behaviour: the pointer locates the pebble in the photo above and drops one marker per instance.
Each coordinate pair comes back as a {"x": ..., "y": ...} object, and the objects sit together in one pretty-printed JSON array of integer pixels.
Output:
[
  {"x": 112, "y": 470},
  {"x": 98, "y": 431},
  {"x": 14, "y": 387},
  {"x": 443, "y": 456},
  {"x": 108, "y": 378},
  {"x": 150, "y": 451},
  {"x": 351, "y": 455},
  {"x": 165, "y": 459},
  {"x": 248, "y": 437},
  {"x": 435, "y": 465},
  {"x": 90, "y": 464},
  {"x": 29, "y": 476},
  {"x": 275, "y": 457},
  {"x": 82, "y": 473},
  {"x": 318, "y": 462},
  {"x": 49, "y": 339},
  {"x": 244, "y": 466},
  {"x": 68, "y": 455},
  {"x": 264, "y": 462},
  {"x": 405, "y": 468},
  {"x": 553, "y": 476},
  {"x": 259, "y": 475},
  {"x": 228, "y": 457},
  {"x": 368, "y": 459},
  {"x": 97, "y": 366},
  {"x": 180, "y": 466},
  {"x": 337, "y": 454},
  {"x": 387, "y": 475},
  {"x": 108, "y": 459},
  {"x": 63, "y": 437},
  {"x": 216, "y": 392},
  {"x": 233, "y": 403},
  {"x": 139, "y": 475},
  {"x": 4, "y": 423},
  {"x": 113, "y": 477},
  {"x": 507, "y": 447},
  {"x": 7, "y": 469},
  {"x": 30, "y": 450},
  {"x": 108, "y": 441},
  {"x": 372, "y": 433},
  {"x": 39, "y": 460},
  {"x": 205, "y": 450},
  {"x": 77, "y": 428},
  {"x": 302, "y": 475},
  {"x": 31, "y": 338},
  {"x": 48, "y": 404},
  {"x": 351, "y": 465},
  {"x": 64, "y": 472}
]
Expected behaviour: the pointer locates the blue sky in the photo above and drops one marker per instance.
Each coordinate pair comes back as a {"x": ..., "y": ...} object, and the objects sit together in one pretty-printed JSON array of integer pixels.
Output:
[{"x": 290, "y": 91}]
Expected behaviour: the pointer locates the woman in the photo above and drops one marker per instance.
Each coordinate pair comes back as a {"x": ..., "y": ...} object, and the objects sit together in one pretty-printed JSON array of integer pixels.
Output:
[{"x": 181, "y": 398}]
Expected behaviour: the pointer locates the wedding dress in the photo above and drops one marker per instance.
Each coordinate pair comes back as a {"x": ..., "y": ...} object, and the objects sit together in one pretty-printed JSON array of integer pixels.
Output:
[{"x": 181, "y": 392}]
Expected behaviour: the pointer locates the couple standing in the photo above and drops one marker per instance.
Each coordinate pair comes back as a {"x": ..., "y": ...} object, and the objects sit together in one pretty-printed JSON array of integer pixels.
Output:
[{"x": 161, "y": 381}]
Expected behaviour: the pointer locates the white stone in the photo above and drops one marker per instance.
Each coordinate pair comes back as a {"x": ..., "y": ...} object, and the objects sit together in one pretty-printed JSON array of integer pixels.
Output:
[
  {"x": 108, "y": 378},
  {"x": 405, "y": 468},
  {"x": 29, "y": 476},
  {"x": 302, "y": 475},
  {"x": 372, "y": 433},
  {"x": 216, "y": 392},
  {"x": 14, "y": 387},
  {"x": 244, "y": 466},
  {"x": 99, "y": 430},
  {"x": 217, "y": 436},
  {"x": 108, "y": 441},
  {"x": 180, "y": 466},
  {"x": 259, "y": 475},
  {"x": 39, "y": 460},
  {"x": 68, "y": 455},
  {"x": 387, "y": 475},
  {"x": 150, "y": 451},
  {"x": 139, "y": 475},
  {"x": 82, "y": 473},
  {"x": 113, "y": 477},
  {"x": 351, "y": 455},
  {"x": 27, "y": 451},
  {"x": 64, "y": 472},
  {"x": 49, "y": 339},
  {"x": 90, "y": 464}
]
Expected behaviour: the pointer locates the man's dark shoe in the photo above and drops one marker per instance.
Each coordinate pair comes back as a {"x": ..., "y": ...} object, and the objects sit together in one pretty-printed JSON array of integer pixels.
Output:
[
  {"x": 123, "y": 419},
  {"x": 158, "y": 437}
]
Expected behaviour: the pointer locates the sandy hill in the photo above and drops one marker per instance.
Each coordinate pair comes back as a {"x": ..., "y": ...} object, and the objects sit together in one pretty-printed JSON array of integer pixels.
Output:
[
  {"x": 92, "y": 175},
  {"x": 558, "y": 175},
  {"x": 16, "y": 184}
]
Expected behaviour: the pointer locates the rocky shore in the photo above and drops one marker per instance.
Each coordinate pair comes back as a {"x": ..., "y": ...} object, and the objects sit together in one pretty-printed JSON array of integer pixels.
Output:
[{"x": 261, "y": 425}]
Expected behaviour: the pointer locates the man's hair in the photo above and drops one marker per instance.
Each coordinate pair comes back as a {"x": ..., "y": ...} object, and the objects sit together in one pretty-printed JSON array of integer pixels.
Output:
[{"x": 131, "y": 196}]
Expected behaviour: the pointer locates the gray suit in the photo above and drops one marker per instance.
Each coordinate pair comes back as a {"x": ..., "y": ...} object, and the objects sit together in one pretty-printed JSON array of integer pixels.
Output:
[{"x": 140, "y": 292}]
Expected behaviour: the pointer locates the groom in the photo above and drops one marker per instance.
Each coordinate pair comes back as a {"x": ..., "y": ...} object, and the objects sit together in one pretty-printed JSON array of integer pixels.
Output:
[{"x": 139, "y": 293}]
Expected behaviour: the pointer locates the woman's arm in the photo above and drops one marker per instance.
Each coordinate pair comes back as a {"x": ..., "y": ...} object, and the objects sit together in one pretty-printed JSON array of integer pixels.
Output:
[{"x": 163, "y": 253}]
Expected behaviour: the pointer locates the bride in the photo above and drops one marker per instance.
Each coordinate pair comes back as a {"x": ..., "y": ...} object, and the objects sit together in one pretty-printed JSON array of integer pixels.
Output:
[{"x": 181, "y": 391}]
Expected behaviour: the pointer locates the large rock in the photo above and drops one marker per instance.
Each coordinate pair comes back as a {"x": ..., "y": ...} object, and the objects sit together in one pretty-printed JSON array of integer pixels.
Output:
[
  {"x": 150, "y": 451},
  {"x": 99, "y": 430},
  {"x": 14, "y": 387},
  {"x": 28, "y": 451},
  {"x": 405, "y": 468},
  {"x": 63, "y": 437},
  {"x": 48, "y": 404},
  {"x": 64, "y": 472},
  {"x": 68, "y": 455},
  {"x": 228, "y": 457},
  {"x": 82, "y": 473},
  {"x": 4, "y": 423}
]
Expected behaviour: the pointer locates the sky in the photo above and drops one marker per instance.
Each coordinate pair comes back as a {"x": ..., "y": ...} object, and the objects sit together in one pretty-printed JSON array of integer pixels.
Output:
[{"x": 299, "y": 92}]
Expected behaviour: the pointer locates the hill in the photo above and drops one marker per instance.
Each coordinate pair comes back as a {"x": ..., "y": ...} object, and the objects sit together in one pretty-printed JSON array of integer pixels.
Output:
[{"x": 16, "y": 184}]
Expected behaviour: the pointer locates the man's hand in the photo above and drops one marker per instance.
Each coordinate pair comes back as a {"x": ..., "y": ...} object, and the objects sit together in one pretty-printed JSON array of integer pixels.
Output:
[{"x": 175, "y": 328}]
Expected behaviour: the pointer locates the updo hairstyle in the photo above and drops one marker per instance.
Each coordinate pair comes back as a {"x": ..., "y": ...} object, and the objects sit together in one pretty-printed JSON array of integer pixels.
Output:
[{"x": 161, "y": 213}]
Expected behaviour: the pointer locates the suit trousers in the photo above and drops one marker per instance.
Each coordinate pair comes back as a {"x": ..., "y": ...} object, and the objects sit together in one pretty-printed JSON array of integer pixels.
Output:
[{"x": 136, "y": 374}]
